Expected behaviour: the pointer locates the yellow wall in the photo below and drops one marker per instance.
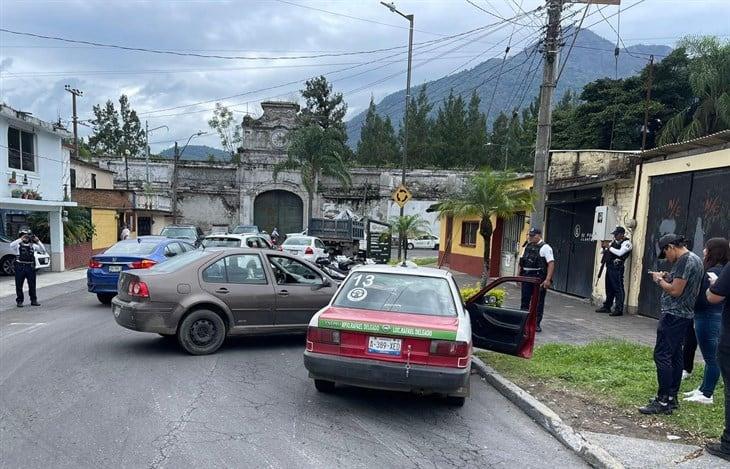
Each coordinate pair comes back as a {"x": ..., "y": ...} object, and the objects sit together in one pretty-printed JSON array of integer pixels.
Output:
[
  {"x": 105, "y": 224},
  {"x": 711, "y": 160}
]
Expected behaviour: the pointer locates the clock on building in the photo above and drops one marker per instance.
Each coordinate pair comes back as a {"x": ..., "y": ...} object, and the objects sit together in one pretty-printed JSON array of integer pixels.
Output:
[{"x": 278, "y": 138}]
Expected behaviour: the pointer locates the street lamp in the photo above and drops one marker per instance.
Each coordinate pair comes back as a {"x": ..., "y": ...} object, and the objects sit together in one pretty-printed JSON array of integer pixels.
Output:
[
  {"x": 174, "y": 173},
  {"x": 391, "y": 6},
  {"x": 147, "y": 131}
]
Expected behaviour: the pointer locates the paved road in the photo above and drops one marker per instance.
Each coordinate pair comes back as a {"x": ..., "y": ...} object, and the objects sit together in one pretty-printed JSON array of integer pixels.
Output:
[{"x": 76, "y": 390}]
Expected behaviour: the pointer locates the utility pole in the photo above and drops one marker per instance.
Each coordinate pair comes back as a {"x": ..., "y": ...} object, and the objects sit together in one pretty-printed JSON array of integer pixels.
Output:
[
  {"x": 544, "y": 116},
  {"x": 147, "y": 131},
  {"x": 74, "y": 93},
  {"x": 645, "y": 130},
  {"x": 174, "y": 184}
]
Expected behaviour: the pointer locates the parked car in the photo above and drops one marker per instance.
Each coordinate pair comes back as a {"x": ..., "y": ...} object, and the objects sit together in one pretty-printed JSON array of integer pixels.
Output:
[
  {"x": 191, "y": 234},
  {"x": 7, "y": 258},
  {"x": 205, "y": 295},
  {"x": 307, "y": 247},
  {"x": 424, "y": 242},
  {"x": 141, "y": 253},
  {"x": 406, "y": 329},
  {"x": 219, "y": 229},
  {"x": 236, "y": 241}
]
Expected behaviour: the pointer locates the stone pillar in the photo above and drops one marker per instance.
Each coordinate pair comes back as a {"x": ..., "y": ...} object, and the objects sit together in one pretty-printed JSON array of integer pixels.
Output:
[
  {"x": 56, "y": 225},
  {"x": 245, "y": 213}
]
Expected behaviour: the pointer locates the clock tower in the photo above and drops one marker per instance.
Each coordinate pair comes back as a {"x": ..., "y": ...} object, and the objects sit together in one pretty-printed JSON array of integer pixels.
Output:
[{"x": 265, "y": 140}]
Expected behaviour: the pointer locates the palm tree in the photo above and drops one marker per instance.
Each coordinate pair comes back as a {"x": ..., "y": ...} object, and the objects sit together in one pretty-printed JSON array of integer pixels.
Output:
[
  {"x": 315, "y": 152},
  {"x": 408, "y": 227},
  {"x": 488, "y": 193},
  {"x": 709, "y": 69}
]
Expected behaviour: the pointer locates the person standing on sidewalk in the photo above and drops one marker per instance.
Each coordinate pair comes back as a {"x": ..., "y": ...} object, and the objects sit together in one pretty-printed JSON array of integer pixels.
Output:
[
  {"x": 615, "y": 253},
  {"x": 679, "y": 293},
  {"x": 125, "y": 233},
  {"x": 537, "y": 261},
  {"x": 24, "y": 266},
  {"x": 708, "y": 319},
  {"x": 718, "y": 292}
]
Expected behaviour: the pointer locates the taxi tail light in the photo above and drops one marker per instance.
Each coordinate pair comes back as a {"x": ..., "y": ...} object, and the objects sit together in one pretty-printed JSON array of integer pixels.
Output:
[
  {"x": 449, "y": 348},
  {"x": 323, "y": 336},
  {"x": 139, "y": 289},
  {"x": 309, "y": 250},
  {"x": 143, "y": 264},
  {"x": 94, "y": 264}
]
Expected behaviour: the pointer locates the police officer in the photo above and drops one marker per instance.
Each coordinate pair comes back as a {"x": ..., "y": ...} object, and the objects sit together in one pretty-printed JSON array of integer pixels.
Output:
[
  {"x": 25, "y": 248},
  {"x": 537, "y": 261},
  {"x": 615, "y": 254}
]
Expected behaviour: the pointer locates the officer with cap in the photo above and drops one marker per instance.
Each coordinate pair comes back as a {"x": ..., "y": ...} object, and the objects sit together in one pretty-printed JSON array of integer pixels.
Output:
[
  {"x": 24, "y": 265},
  {"x": 615, "y": 254},
  {"x": 537, "y": 261}
]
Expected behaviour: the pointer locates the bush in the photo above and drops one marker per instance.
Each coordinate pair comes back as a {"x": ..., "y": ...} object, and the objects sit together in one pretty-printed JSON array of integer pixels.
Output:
[
  {"x": 78, "y": 228},
  {"x": 495, "y": 297}
]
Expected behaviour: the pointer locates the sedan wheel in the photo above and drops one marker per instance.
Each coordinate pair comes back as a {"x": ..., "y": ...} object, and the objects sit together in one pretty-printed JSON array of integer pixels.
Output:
[
  {"x": 6, "y": 265},
  {"x": 202, "y": 332},
  {"x": 410, "y": 246},
  {"x": 105, "y": 298},
  {"x": 456, "y": 401},
  {"x": 323, "y": 385}
]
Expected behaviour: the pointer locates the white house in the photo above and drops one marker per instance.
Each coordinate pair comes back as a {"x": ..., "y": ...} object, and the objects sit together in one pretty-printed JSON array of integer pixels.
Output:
[{"x": 35, "y": 169}]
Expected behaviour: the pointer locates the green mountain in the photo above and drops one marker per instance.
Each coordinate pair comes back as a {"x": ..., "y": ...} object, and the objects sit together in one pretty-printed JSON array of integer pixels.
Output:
[
  {"x": 592, "y": 58},
  {"x": 198, "y": 153}
]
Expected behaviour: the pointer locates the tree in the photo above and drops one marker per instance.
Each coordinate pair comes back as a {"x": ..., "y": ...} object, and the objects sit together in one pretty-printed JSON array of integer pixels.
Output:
[
  {"x": 450, "y": 133},
  {"x": 378, "y": 145},
  {"x": 78, "y": 229},
  {"x": 117, "y": 132},
  {"x": 486, "y": 194},
  {"x": 314, "y": 152},
  {"x": 420, "y": 127},
  {"x": 228, "y": 131},
  {"x": 476, "y": 128},
  {"x": 408, "y": 227},
  {"x": 324, "y": 107},
  {"x": 709, "y": 79}
]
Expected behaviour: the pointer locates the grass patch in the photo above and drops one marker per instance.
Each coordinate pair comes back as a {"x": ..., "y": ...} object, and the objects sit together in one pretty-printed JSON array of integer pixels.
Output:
[
  {"x": 423, "y": 261},
  {"x": 615, "y": 372}
]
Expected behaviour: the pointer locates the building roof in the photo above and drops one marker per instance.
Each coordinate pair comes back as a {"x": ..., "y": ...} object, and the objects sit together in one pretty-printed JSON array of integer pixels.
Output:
[
  {"x": 26, "y": 118},
  {"x": 707, "y": 143},
  {"x": 81, "y": 162}
]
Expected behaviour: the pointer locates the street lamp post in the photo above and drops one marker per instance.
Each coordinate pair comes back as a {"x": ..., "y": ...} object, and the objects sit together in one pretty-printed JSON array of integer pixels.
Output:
[
  {"x": 391, "y": 6},
  {"x": 177, "y": 156}
]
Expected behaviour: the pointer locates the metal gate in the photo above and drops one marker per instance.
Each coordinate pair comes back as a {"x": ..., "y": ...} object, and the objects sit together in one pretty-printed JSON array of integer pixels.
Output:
[
  {"x": 696, "y": 205},
  {"x": 511, "y": 244},
  {"x": 569, "y": 229},
  {"x": 277, "y": 208}
]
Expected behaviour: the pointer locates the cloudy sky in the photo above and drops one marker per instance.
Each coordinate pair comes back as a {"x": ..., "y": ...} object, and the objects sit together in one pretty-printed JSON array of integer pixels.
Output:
[{"x": 258, "y": 40}]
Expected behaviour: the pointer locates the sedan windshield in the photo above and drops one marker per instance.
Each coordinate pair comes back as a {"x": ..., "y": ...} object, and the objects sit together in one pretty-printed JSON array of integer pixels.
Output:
[
  {"x": 180, "y": 261},
  {"x": 221, "y": 242},
  {"x": 178, "y": 233},
  {"x": 397, "y": 293},
  {"x": 128, "y": 248},
  {"x": 297, "y": 242},
  {"x": 245, "y": 229}
]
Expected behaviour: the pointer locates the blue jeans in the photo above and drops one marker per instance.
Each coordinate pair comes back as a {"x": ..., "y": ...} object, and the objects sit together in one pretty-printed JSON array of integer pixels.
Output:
[{"x": 707, "y": 327}]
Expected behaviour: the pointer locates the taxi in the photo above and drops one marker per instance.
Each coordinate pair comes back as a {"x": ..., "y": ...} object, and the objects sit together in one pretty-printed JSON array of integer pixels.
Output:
[{"x": 407, "y": 329}]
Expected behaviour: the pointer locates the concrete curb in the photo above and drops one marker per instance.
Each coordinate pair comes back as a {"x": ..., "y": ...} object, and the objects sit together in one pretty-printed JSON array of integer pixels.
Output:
[{"x": 591, "y": 453}]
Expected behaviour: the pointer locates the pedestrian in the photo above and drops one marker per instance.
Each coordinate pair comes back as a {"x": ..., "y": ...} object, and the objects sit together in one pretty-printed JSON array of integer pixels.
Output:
[
  {"x": 717, "y": 293},
  {"x": 708, "y": 319},
  {"x": 537, "y": 261},
  {"x": 679, "y": 293},
  {"x": 24, "y": 266},
  {"x": 689, "y": 347},
  {"x": 615, "y": 254},
  {"x": 125, "y": 233},
  {"x": 275, "y": 236}
]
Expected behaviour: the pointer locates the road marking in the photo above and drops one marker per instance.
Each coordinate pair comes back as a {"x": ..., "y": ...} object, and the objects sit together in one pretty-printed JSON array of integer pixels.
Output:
[{"x": 29, "y": 327}]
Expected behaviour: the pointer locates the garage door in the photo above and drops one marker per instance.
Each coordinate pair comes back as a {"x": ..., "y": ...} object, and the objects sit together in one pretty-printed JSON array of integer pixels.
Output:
[{"x": 281, "y": 209}]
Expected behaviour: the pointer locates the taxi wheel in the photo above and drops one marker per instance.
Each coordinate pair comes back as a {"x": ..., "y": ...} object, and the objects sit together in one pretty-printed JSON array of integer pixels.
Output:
[
  {"x": 202, "y": 332},
  {"x": 324, "y": 385},
  {"x": 456, "y": 401},
  {"x": 105, "y": 298}
]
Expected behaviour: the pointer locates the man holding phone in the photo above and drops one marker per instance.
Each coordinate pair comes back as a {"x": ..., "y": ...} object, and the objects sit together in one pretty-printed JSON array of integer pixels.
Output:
[
  {"x": 679, "y": 293},
  {"x": 25, "y": 248}
]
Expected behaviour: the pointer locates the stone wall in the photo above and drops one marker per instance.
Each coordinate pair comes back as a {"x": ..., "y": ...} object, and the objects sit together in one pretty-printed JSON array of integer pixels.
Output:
[{"x": 570, "y": 168}]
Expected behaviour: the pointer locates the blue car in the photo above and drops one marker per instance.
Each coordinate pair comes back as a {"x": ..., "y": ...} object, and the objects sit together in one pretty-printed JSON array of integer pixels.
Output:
[{"x": 140, "y": 253}]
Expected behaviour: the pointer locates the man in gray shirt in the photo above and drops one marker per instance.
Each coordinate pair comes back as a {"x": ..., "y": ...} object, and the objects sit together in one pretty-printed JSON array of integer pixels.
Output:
[{"x": 679, "y": 293}]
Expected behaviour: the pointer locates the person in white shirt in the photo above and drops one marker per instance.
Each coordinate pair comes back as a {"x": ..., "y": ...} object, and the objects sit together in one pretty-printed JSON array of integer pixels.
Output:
[
  {"x": 537, "y": 261},
  {"x": 25, "y": 248},
  {"x": 125, "y": 233},
  {"x": 614, "y": 257}
]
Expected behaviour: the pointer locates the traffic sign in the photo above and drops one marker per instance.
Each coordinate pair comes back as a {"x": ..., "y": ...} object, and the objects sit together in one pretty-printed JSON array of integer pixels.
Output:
[{"x": 402, "y": 195}]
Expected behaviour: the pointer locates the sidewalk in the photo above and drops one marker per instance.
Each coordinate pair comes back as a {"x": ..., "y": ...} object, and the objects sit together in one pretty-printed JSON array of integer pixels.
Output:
[{"x": 44, "y": 279}]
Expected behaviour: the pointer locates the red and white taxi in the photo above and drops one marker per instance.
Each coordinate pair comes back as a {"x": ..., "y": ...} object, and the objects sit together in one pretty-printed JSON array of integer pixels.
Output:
[{"x": 407, "y": 329}]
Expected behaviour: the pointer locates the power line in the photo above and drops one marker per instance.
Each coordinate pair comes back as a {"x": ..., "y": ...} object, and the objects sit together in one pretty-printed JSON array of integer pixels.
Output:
[
  {"x": 575, "y": 36},
  {"x": 470, "y": 2}
]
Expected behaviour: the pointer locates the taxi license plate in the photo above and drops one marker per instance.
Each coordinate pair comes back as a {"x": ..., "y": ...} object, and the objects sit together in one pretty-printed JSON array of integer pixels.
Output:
[
  {"x": 384, "y": 345},
  {"x": 115, "y": 268}
]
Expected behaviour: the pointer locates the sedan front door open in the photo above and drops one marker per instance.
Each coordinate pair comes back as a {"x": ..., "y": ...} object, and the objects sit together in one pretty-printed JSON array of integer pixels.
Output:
[{"x": 500, "y": 329}]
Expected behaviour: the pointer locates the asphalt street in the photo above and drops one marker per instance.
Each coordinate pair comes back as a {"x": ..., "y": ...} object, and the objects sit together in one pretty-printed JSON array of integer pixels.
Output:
[{"x": 77, "y": 390}]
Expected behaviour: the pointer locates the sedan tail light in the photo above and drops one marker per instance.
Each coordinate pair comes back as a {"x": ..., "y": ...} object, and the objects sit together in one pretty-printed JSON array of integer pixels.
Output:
[
  {"x": 309, "y": 250},
  {"x": 143, "y": 264},
  {"x": 449, "y": 348},
  {"x": 94, "y": 264},
  {"x": 139, "y": 289},
  {"x": 323, "y": 336}
]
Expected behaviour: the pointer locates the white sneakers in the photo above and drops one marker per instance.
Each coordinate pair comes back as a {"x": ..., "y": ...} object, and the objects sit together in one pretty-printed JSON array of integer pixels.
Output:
[
  {"x": 698, "y": 397},
  {"x": 685, "y": 375}
]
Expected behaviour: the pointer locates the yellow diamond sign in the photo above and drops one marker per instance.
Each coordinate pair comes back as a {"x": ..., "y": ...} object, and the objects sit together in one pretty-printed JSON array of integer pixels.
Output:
[{"x": 402, "y": 195}]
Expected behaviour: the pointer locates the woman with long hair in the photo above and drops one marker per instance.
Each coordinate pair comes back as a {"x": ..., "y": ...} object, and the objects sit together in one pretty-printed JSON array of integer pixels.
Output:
[{"x": 708, "y": 320}]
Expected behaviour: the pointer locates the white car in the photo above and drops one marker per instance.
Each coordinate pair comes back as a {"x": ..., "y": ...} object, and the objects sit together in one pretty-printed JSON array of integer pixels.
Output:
[
  {"x": 236, "y": 241},
  {"x": 7, "y": 258},
  {"x": 307, "y": 247},
  {"x": 424, "y": 242}
]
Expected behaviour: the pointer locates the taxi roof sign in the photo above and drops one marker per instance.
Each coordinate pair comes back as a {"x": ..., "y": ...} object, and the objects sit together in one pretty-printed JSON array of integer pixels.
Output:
[{"x": 402, "y": 195}]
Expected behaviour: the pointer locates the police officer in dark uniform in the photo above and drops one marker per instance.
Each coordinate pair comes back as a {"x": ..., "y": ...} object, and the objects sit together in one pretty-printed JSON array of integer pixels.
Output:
[
  {"x": 537, "y": 261},
  {"x": 615, "y": 254},
  {"x": 24, "y": 265}
]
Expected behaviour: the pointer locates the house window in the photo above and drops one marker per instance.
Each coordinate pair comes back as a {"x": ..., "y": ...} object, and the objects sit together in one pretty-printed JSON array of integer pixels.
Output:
[
  {"x": 469, "y": 230},
  {"x": 73, "y": 178},
  {"x": 93, "y": 181},
  {"x": 21, "y": 150}
]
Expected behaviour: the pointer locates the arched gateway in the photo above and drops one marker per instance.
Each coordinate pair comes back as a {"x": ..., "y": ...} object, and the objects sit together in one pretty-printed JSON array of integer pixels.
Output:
[{"x": 279, "y": 208}]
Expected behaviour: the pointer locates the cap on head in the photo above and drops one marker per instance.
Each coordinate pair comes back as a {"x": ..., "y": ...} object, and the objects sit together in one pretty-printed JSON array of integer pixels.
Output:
[
  {"x": 24, "y": 231},
  {"x": 534, "y": 231},
  {"x": 669, "y": 239},
  {"x": 619, "y": 230}
]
